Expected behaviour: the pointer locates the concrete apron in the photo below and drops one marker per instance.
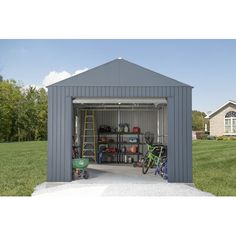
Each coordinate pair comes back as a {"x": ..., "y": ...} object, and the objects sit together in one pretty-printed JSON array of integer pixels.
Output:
[{"x": 117, "y": 180}]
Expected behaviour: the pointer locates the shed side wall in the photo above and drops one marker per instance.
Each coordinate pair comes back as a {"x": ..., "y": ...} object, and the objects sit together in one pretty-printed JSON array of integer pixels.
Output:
[{"x": 59, "y": 133}]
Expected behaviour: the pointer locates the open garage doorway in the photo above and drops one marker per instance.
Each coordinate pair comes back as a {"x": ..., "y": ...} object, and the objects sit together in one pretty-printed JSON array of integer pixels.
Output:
[{"x": 111, "y": 134}]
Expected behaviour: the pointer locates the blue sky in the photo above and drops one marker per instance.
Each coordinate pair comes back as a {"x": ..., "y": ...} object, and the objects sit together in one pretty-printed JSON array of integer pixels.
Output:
[{"x": 208, "y": 65}]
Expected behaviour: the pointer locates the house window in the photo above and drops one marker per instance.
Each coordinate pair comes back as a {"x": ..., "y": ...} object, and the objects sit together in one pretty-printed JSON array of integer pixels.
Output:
[
  {"x": 234, "y": 125},
  {"x": 230, "y": 122}
]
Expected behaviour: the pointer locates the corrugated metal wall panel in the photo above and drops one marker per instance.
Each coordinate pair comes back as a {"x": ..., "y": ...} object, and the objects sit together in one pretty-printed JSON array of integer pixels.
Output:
[
  {"x": 62, "y": 102},
  {"x": 146, "y": 120},
  {"x": 67, "y": 138},
  {"x": 189, "y": 134},
  {"x": 184, "y": 137},
  {"x": 55, "y": 150},
  {"x": 179, "y": 126},
  {"x": 106, "y": 118},
  {"x": 180, "y": 131},
  {"x": 59, "y": 119},
  {"x": 50, "y": 136},
  {"x": 176, "y": 110},
  {"x": 58, "y": 128},
  {"x": 171, "y": 139},
  {"x": 160, "y": 91},
  {"x": 106, "y": 91},
  {"x": 74, "y": 91},
  {"x": 179, "y": 139},
  {"x": 163, "y": 123}
]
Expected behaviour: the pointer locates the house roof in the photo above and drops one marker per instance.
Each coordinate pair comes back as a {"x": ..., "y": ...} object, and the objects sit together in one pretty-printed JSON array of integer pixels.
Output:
[
  {"x": 119, "y": 72},
  {"x": 226, "y": 104}
]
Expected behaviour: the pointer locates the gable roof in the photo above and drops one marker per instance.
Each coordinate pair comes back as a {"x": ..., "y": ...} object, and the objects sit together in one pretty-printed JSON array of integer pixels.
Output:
[
  {"x": 119, "y": 72},
  {"x": 226, "y": 104}
]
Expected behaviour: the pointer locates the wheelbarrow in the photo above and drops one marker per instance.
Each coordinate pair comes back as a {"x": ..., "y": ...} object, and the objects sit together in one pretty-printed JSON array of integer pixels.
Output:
[{"x": 79, "y": 166}]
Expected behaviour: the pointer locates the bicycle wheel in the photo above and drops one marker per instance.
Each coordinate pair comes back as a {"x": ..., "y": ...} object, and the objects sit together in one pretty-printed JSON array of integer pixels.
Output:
[{"x": 147, "y": 162}]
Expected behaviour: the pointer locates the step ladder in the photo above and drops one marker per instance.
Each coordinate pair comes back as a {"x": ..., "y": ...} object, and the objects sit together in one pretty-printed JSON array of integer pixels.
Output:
[{"x": 89, "y": 136}]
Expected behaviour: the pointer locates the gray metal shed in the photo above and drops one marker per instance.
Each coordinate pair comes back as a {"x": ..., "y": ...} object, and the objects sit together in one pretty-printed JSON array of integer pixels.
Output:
[{"x": 120, "y": 79}]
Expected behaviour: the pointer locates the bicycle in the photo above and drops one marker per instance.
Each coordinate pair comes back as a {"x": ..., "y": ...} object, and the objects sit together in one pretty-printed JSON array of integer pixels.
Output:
[
  {"x": 161, "y": 168},
  {"x": 155, "y": 156}
]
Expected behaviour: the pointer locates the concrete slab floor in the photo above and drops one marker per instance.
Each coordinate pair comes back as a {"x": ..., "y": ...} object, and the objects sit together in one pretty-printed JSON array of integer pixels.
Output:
[{"x": 118, "y": 180}]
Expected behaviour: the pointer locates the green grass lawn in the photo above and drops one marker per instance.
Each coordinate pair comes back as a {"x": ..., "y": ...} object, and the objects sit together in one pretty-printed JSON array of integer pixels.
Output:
[
  {"x": 214, "y": 166},
  {"x": 23, "y": 166}
]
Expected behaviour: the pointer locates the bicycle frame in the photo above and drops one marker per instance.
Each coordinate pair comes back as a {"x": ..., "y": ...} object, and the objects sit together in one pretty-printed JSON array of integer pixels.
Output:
[{"x": 151, "y": 156}]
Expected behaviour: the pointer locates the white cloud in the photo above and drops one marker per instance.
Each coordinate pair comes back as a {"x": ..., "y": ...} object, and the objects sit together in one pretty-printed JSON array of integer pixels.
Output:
[{"x": 55, "y": 76}]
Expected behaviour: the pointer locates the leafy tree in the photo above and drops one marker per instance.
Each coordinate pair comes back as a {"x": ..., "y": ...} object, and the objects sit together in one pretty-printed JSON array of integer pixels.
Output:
[
  {"x": 10, "y": 95},
  {"x": 198, "y": 120},
  {"x": 35, "y": 113},
  {"x": 23, "y": 112},
  {"x": 42, "y": 113}
]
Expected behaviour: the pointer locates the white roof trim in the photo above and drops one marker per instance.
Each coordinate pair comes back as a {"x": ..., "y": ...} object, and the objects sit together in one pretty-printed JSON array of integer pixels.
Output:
[
  {"x": 121, "y": 100},
  {"x": 232, "y": 102}
]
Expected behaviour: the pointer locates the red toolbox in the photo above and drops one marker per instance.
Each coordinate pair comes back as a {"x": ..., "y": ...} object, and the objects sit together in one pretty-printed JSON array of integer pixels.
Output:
[{"x": 136, "y": 130}]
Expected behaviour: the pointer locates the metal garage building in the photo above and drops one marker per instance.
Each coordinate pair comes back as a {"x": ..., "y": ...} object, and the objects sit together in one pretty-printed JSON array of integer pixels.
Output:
[{"x": 120, "y": 82}]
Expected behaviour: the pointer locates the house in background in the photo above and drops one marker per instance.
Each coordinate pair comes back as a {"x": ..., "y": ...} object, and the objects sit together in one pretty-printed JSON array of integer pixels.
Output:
[{"x": 223, "y": 120}]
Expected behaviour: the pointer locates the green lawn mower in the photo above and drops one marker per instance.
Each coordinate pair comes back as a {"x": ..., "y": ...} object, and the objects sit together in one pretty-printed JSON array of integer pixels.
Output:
[{"x": 79, "y": 166}]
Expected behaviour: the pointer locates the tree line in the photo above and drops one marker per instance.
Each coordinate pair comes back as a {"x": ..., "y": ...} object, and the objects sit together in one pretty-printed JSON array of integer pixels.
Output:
[{"x": 23, "y": 112}]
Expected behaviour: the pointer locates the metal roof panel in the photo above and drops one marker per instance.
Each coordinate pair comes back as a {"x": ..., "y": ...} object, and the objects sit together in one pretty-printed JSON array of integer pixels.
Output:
[{"x": 119, "y": 72}]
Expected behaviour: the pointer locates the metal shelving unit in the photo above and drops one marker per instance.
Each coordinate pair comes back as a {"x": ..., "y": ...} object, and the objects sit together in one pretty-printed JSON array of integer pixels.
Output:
[
  {"x": 100, "y": 134},
  {"x": 125, "y": 143},
  {"x": 119, "y": 142}
]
